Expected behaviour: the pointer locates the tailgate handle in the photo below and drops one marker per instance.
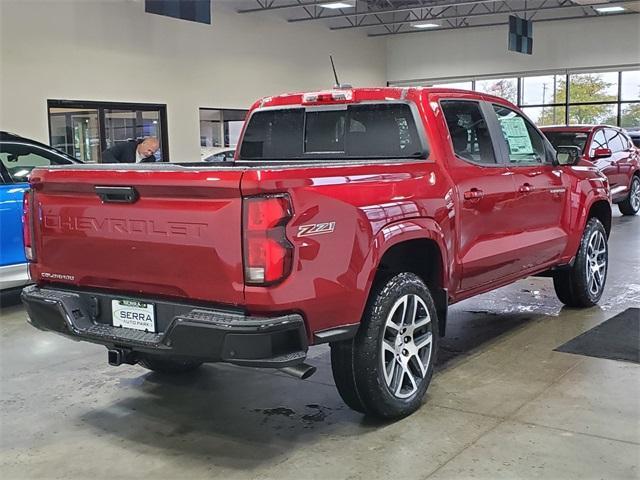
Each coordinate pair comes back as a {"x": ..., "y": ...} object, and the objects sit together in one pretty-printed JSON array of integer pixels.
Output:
[{"x": 117, "y": 194}]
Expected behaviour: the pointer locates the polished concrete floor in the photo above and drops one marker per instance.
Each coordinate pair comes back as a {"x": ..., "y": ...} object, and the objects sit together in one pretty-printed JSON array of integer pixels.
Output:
[{"x": 503, "y": 404}]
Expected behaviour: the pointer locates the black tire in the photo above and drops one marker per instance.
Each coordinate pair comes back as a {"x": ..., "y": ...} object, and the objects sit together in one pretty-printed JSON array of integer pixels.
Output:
[
  {"x": 168, "y": 365},
  {"x": 342, "y": 368},
  {"x": 573, "y": 285},
  {"x": 631, "y": 204},
  {"x": 359, "y": 365}
]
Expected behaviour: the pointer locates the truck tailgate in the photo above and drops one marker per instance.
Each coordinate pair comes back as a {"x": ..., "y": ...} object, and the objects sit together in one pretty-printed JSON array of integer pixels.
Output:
[{"x": 181, "y": 237}]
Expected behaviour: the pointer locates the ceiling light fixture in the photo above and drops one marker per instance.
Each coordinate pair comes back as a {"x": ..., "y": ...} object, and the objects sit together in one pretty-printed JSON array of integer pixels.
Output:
[
  {"x": 337, "y": 5},
  {"x": 612, "y": 9},
  {"x": 425, "y": 25}
]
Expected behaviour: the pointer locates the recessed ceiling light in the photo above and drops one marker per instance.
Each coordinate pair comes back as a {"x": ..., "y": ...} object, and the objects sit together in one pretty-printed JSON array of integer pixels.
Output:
[
  {"x": 425, "y": 25},
  {"x": 337, "y": 5},
  {"x": 611, "y": 9}
]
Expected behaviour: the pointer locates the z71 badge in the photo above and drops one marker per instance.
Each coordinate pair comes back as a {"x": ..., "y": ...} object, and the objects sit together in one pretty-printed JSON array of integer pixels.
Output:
[{"x": 316, "y": 229}]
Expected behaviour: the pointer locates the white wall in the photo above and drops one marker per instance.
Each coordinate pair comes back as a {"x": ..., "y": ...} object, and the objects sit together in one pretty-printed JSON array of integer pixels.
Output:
[
  {"x": 110, "y": 50},
  {"x": 557, "y": 45}
]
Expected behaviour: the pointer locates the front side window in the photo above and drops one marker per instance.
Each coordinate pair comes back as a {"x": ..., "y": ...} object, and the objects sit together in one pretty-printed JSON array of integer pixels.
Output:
[
  {"x": 355, "y": 131},
  {"x": 20, "y": 159},
  {"x": 524, "y": 144},
  {"x": 469, "y": 133},
  {"x": 598, "y": 141}
]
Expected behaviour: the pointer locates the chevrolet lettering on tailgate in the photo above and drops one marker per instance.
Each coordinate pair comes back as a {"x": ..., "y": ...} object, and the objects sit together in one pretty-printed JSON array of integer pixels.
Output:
[{"x": 122, "y": 225}]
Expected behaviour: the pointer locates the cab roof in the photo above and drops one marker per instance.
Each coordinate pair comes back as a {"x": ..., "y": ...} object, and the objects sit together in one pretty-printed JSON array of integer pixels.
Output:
[{"x": 371, "y": 94}]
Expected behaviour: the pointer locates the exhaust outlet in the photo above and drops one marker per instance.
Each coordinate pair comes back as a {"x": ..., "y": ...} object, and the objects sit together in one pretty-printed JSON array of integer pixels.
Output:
[{"x": 301, "y": 371}]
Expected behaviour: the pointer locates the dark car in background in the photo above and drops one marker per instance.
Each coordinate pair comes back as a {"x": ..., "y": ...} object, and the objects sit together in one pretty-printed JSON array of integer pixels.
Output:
[
  {"x": 612, "y": 151},
  {"x": 634, "y": 135},
  {"x": 18, "y": 156}
]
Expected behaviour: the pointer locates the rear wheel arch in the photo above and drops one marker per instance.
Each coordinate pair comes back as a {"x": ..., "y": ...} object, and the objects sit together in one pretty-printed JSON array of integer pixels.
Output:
[
  {"x": 424, "y": 257},
  {"x": 600, "y": 209}
]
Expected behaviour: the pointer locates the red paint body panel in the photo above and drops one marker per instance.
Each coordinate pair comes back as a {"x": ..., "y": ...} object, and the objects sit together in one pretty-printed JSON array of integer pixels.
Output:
[
  {"x": 183, "y": 237},
  {"x": 174, "y": 241}
]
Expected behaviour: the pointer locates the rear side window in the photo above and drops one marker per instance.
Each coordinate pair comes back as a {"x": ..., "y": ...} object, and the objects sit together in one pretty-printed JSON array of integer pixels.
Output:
[
  {"x": 355, "y": 131},
  {"x": 468, "y": 129}
]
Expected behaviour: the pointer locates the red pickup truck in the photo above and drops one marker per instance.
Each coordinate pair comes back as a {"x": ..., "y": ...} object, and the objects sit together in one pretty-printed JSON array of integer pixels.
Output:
[{"x": 350, "y": 216}]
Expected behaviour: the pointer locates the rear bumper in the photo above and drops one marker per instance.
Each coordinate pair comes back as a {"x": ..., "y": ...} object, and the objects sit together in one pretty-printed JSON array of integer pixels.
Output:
[{"x": 188, "y": 331}]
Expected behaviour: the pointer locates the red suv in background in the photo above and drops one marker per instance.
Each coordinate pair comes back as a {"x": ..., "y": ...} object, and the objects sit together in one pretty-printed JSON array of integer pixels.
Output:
[{"x": 613, "y": 152}]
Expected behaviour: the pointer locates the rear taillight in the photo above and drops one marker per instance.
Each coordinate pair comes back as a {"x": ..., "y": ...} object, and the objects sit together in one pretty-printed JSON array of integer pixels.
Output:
[
  {"x": 267, "y": 252},
  {"x": 27, "y": 226}
]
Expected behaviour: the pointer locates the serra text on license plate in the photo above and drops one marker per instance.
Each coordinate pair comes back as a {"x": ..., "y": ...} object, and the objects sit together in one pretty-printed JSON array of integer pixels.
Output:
[{"x": 133, "y": 314}]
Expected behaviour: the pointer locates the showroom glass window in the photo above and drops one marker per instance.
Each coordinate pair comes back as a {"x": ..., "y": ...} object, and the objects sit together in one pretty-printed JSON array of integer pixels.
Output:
[
  {"x": 560, "y": 98},
  {"x": 220, "y": 129},
  {"x": 502, "y": 87},
  {"x": 630, "y": 97},
  {"x": 466, "y": 85},
  {"x": 85, "y": 129},
  {"x": 592, "y": 97},
  {"x": 543, "y": 99}
]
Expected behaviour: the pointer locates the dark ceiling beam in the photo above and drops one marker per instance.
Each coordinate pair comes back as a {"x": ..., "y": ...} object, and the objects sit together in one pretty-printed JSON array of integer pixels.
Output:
[
  {"x": 315, "y": 3},
  {"x": 365, "y": 13},
  {"x": 496, "y": 24},
  {"x": 268, "y": 8},
  {"x": 541, "y": 8}
]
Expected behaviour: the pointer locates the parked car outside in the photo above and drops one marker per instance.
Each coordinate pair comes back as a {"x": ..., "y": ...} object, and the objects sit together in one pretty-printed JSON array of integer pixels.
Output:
[
  {"x": 18, "y": 156},
  {"x": 352, "y": 217},
  {"x": 217, "y": 154},
  {"x": 612, "y": 151}
]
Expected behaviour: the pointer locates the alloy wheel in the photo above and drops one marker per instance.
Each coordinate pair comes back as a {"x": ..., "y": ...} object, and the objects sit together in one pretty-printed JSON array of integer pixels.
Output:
[
  {"x": 406, "y": 346},
  {"x": 634, "y": 195},
  {"x": 596, "y": 262}
]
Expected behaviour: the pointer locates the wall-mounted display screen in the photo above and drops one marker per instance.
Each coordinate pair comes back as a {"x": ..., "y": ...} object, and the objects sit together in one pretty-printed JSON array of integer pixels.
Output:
[{"x": 192, "y": 10}]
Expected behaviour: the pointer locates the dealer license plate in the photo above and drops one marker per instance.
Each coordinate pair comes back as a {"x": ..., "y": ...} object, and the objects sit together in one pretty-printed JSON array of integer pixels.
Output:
[{"x": 133, "y": 314}]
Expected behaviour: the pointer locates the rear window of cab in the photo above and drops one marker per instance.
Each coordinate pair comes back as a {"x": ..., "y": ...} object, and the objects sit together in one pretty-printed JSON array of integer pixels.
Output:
[{"x": 385, "y": 130}]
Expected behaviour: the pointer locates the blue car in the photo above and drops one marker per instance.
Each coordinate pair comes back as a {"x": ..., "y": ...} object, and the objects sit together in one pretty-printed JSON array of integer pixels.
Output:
[{"x": 18, "y": 156}]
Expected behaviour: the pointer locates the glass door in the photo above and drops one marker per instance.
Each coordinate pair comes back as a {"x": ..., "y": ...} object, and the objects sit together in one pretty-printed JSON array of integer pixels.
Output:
[{"x": 76, "y": 132}]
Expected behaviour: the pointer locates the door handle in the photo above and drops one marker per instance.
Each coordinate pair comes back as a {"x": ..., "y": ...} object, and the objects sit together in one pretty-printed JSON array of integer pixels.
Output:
[
  {"x": 473, "y": 194},
  {"x": 117, "y": 194},
  {"x": 526, "y": 188}
]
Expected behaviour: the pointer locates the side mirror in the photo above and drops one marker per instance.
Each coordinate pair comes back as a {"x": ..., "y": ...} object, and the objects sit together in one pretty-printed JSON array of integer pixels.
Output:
[
  {"x": 568, "y": 155},
  {"x": 601, "y": 153}
]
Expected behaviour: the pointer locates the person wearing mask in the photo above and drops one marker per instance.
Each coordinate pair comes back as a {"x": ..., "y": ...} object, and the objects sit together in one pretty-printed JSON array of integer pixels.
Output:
[{"x": 132, "y": 151}]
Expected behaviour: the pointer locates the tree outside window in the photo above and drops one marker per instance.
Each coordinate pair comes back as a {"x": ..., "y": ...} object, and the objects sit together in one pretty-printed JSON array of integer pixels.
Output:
[{"x": 506, "y": 88}]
